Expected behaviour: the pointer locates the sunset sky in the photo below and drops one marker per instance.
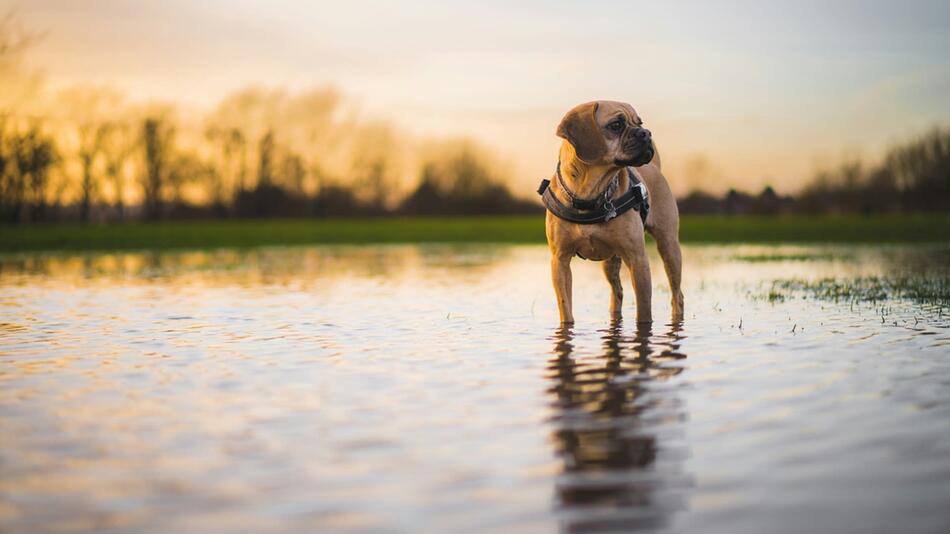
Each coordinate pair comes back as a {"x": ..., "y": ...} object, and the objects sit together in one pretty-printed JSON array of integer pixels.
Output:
[{"x": 763, "y": 92}]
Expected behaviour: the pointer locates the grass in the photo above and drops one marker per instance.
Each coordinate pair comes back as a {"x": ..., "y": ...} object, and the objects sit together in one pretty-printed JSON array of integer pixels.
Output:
[
  {"x": 928, "y": 290},
  {"x": 769, "y": 258},
  {"x": 494, "y": 229}
]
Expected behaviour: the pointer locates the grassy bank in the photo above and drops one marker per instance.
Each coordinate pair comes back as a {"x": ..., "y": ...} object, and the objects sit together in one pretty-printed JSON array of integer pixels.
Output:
[{"x": 517, "y": 229}]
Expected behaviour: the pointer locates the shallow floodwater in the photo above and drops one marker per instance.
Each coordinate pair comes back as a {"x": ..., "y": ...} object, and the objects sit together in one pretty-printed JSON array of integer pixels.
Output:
[{"x": 429, "y": 389}]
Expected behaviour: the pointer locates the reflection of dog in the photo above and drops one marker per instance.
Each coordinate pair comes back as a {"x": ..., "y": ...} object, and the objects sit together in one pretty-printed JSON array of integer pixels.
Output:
[
  {"x": 603, "y": 142},
  {"x": 610, "y": 426}
]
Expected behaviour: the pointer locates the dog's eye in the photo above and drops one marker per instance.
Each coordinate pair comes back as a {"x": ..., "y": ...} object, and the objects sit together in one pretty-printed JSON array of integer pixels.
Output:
[{"x": 615, "y": 126}]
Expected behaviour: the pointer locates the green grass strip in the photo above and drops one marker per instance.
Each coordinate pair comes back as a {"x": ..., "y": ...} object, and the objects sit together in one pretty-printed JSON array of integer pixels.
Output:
[{"x": 504, "y": 229}]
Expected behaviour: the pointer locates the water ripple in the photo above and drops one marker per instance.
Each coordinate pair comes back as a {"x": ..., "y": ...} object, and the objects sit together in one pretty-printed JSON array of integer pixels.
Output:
[{"x": 415, "y": 389}]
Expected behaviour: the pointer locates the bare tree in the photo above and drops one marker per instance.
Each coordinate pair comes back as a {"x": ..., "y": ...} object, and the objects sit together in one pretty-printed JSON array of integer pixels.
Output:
[
  {"x": 215, "y": 183},
  {"x": 11, "y": 185},
  {"x": 36, "y": 160},
  {"x": 373, "y": 183},
  {"x": 19, "y": 84},
  {"x": 91, "y": 140},
  {"x": 157, "y": 136},
  {"x": 119, "y": 146},
  {"x": 186, "y": 168},
  {"x": 91, "y": 110},
  {"x": 26, "y": 158},
  {"x": 13, "y": 38},
  {"x": 294, "y": 173},
  {"x": 237, "y": 148},
  {"x": 230, "y": 173},
  {"x": 265, "y": 169}
]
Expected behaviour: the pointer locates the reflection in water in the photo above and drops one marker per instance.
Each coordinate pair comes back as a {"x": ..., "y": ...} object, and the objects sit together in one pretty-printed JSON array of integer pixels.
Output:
[
  {"x": 616, "y": 430},
  {"x": 249, "y": 267},
  {"x": 420, "y": 389}
]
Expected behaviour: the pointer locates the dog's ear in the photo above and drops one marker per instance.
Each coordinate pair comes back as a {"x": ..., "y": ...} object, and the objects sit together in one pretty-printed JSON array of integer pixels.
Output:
[{"x": 580, "y": 129}]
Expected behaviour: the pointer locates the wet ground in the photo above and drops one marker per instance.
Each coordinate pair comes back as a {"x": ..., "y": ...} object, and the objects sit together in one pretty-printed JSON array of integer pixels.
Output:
[{"x": 429, "y": 389}]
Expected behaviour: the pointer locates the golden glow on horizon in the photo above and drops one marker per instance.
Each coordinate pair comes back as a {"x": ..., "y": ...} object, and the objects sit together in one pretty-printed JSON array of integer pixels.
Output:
[{"x": 740, "y": 95}]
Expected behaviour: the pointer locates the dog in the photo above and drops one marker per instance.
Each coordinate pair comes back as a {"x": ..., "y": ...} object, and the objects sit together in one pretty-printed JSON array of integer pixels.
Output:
[{"x": 604, "y": 153}]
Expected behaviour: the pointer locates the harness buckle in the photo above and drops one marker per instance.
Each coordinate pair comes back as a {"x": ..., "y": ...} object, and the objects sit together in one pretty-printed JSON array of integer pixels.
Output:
[
  {"x": 544, "y": 185},
  {"x": 610, "y": 209},
  {"x": 643, "y": 190}
]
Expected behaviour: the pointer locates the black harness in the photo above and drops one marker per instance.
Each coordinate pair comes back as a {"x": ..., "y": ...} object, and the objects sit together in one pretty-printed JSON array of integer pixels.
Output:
[{"x": 600, "y": 209}]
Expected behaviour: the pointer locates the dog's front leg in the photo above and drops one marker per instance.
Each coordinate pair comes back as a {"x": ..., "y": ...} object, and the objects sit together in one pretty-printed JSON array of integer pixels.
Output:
[
  {"x": 612, "y": 272},
  {"x": 561, "y": 276},
  {"x": 639, "y": 265}
]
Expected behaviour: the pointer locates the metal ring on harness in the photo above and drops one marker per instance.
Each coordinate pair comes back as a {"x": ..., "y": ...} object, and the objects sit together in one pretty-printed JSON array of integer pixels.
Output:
[{"x": 635, "y": 198}]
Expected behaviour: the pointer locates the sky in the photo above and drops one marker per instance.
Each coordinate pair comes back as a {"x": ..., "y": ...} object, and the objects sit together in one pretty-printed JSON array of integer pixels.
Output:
[{"x": 737, "y": 93}]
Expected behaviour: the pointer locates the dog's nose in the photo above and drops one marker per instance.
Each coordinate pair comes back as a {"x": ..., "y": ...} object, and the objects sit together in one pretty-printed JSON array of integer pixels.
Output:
[{"x": 642, "y": 134}]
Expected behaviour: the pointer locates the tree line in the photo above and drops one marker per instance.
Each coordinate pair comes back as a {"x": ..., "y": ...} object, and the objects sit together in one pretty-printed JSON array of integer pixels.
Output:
[
  {"x": 268, "y": 180},
  {"x": 233, "y": 180},
  {"x": 86, "y": 154},
  {"x": 911, "y": 177}
]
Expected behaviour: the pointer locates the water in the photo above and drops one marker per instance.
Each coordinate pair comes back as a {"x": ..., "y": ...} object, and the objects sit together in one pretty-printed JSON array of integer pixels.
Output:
[{"x": 429, "y": 389}]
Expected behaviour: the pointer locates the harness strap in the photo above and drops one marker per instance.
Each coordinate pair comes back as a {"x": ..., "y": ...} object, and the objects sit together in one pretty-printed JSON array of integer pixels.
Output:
[
  {"x": 635, "y": 198},
  {"x": 585, "y": 204}
]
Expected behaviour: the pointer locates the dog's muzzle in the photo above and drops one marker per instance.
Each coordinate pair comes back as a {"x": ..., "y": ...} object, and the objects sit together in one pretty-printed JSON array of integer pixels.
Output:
[{"x": 639, "y": 146}]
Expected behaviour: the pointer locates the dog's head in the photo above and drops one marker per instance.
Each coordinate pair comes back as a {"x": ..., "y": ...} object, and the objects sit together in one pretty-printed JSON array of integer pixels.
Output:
[{"x": 607, "y": 133}]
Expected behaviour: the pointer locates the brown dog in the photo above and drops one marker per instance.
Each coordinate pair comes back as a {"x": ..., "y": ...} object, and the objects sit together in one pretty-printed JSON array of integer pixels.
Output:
[{"x": 601, "y": 140}]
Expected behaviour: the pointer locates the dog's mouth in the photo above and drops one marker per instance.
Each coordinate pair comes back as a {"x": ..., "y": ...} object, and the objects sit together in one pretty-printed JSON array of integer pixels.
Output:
[{"x": 640, "y": 156}]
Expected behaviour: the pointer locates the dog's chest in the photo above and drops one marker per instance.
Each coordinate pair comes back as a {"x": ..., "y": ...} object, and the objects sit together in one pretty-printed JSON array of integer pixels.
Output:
[{"x": 594, "y": 247}]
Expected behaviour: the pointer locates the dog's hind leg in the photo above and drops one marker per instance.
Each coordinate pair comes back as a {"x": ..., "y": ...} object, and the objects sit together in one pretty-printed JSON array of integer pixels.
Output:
[
  {"x": 636, "y": 259},
  {"x": 669, "y": 248},
  {"x": 612, "y": 272}
]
